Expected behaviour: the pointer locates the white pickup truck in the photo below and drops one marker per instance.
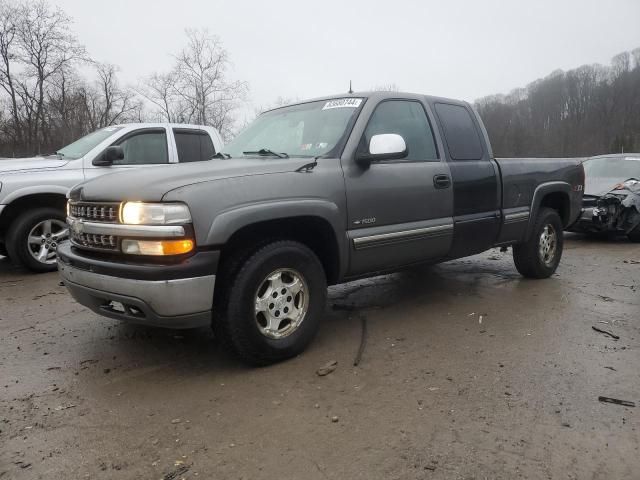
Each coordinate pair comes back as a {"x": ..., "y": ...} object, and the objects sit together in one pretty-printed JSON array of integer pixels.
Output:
[{"x": 33, "y": 190}]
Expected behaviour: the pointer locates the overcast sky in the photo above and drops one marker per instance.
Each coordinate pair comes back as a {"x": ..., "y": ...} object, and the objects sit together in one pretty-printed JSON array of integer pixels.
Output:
[{"x": 293, "y": 48}]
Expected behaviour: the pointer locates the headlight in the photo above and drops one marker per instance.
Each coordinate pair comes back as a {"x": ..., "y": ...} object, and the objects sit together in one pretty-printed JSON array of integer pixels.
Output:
[{"x": 139, "y": 213}]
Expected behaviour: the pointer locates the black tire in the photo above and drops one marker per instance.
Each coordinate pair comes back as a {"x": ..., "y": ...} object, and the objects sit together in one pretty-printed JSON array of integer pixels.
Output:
[
  {"x": 634, "y": 235},
  {"x": 3, "y": 250},
  {"x": 235, "y": 320},
  {"x": 18, "y": 233},
  {"x": 527, "y": 257}
]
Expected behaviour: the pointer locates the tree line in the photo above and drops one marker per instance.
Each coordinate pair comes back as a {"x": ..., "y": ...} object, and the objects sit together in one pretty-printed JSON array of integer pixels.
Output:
[
  {"x": 591, "y": 110},
  {"x": 52, "y": 92}
]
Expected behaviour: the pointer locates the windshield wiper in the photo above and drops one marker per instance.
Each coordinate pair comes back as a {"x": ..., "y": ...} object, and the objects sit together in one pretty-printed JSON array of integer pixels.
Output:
[
  {"x": 222, "y": 155},
  {"x": 266, "y": 151}
]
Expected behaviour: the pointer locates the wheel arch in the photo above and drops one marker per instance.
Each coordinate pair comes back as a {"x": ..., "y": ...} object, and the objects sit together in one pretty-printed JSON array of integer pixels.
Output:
[
  {"x": 28, "y": 200},
  {"x": 314, "y": 231},
  {"x": 555, "y": 195}
]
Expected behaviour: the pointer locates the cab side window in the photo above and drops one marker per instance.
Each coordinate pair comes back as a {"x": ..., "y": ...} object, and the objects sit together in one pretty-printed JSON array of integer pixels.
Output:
[
  {"x": 144, "y": 147},
  {"x": 193, "y": 145},
  {"x": 407, "y": 119},
  {"x": 460, "y": 133}
]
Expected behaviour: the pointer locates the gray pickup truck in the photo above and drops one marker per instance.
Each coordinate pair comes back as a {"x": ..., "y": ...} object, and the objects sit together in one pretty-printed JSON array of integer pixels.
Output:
[{"x": 309, "y": 195}]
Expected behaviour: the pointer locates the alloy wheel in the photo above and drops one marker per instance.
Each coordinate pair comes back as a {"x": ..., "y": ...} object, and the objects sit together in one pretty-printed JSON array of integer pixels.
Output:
[
  {"x": 281, "y": 303},
  {"x": 44, "y": 238}
]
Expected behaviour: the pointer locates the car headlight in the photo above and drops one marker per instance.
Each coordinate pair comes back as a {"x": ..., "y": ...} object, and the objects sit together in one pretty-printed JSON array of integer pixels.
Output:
[{"x": 140, "y": 213}]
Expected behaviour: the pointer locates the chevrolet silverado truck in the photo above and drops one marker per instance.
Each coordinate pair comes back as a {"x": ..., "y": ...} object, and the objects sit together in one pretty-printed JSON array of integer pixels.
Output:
[
  {"x": 33, "y": 191},
  {"x": 309, "y": 195}
]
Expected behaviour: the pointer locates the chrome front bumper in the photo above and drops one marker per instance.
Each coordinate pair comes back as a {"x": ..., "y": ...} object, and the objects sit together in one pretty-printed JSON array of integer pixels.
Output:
[{"x": 179, "y": 303}]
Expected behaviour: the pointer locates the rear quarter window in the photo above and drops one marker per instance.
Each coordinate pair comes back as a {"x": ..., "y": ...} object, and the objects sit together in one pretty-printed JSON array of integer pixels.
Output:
[
  {"x": 193, "y": 145},
  {"x": 460, "y": 132}
]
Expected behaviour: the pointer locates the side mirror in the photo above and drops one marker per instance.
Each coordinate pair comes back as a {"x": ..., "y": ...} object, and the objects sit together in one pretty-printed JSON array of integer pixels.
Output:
[
  {"x": 110, "y": 155},
  {"x": 386, "y": 146}
]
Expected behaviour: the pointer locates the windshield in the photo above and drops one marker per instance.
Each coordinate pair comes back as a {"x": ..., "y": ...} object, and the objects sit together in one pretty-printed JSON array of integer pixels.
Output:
[
  {"x": 621, "y": 168},
  {"x": 306, "y": 130},
  {"x": 81, "y": 147}
]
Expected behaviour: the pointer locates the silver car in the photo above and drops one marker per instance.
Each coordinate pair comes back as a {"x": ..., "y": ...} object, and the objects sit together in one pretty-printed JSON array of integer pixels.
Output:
[{"x": 33, "y": 190}]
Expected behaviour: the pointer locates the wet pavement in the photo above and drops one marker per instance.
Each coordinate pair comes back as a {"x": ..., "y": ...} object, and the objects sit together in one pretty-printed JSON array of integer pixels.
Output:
[{"x": 468, "y": 371}]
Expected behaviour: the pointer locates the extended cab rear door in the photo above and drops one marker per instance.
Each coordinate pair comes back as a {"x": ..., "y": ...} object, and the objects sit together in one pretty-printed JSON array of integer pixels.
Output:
[
  {"x": 193, "y": 144},
  {"x": 475, "y": 177},
  {"x": 399, "y": 211}
]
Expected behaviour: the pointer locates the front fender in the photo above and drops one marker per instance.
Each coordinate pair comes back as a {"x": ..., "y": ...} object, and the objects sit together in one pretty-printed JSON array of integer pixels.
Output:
[
  {"x": 25, "y": 191},
  {"x": 230, "y": 221}
]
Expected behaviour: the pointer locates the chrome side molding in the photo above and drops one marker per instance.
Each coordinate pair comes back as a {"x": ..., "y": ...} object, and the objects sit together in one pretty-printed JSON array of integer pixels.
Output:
[{"x": 402, "y": 236}]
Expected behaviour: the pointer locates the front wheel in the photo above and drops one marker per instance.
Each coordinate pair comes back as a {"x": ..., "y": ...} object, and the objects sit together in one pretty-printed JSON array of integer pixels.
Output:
[
  {"x": 34, "y": 236},
  {"x": 273, "y": 305},
  {"x": 539, "y": 256}
]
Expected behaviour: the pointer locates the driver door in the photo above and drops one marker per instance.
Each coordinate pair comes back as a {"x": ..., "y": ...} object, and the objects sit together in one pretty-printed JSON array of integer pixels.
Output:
[
  {"x": 145, "y": 147},
  {"x": 399, "y": 211}
]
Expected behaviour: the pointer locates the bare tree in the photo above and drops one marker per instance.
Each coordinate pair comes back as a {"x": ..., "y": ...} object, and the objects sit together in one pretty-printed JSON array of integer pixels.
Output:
[
  {"x": 197, "y": 89},
  {"x": 45, "y": 101},
  {"x": 107, "y": 103},
  {"x": 160, "y": 90},
  {"x": 9, "y": 16},
  {"x": 46, "y": 46}
]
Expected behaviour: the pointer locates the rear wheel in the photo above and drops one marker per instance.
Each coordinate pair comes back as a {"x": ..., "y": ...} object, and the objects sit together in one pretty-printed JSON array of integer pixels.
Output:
[
  {"x": 34, "y": 236},
  {"x": 539, "y": 256},
  {"x": 272, "y": 307}
]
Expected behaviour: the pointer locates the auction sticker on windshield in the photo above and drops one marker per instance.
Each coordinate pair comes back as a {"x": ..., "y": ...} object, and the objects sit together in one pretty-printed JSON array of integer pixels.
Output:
[{"x": 342, "y": 103}]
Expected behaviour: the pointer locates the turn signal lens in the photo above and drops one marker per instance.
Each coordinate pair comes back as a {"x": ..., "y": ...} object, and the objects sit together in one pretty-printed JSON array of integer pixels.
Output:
[{"x": 157, "y": 247}]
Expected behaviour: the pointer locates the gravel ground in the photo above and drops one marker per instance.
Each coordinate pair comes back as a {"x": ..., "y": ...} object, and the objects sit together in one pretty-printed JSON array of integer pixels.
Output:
[{"x": 469, "y": 371}]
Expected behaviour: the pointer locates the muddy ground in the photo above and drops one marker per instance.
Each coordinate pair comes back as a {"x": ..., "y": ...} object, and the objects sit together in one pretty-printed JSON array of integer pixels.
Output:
[{"x": 438, "y": 394}]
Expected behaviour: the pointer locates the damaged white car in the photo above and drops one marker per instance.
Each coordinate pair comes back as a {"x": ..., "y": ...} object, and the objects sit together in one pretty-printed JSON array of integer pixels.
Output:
[{"x": 611, "y": 202}]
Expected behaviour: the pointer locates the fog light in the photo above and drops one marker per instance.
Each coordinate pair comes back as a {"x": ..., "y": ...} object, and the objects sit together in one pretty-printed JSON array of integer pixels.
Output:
[{"x": 157, "y": 247}]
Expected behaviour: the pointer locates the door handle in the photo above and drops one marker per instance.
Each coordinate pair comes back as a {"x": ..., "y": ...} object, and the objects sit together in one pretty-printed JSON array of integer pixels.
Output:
[{"x": 441, "y": 181}]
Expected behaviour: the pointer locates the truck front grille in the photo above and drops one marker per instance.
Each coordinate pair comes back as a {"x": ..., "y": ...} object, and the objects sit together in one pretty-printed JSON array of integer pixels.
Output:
[
  {"x": 95, "y": 212},
  {"x": 93, "y": 241}
]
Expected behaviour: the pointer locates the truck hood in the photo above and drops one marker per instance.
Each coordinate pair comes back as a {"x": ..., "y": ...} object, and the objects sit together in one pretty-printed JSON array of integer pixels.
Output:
[
  {"x": 36, "y": 163},
  {"x": 152, "y": 183}
]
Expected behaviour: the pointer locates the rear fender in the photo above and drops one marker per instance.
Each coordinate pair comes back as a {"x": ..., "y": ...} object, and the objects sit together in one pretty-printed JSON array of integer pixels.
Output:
[{"x": 539, "y": 194}]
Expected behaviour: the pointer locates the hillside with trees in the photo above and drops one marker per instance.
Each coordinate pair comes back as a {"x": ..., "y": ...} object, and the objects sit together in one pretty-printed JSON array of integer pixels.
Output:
[{"x": 591, "y": 110}]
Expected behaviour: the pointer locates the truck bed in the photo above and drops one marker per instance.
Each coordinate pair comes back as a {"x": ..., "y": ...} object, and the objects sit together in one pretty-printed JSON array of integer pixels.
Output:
[{"x": 521, "y": 177}]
